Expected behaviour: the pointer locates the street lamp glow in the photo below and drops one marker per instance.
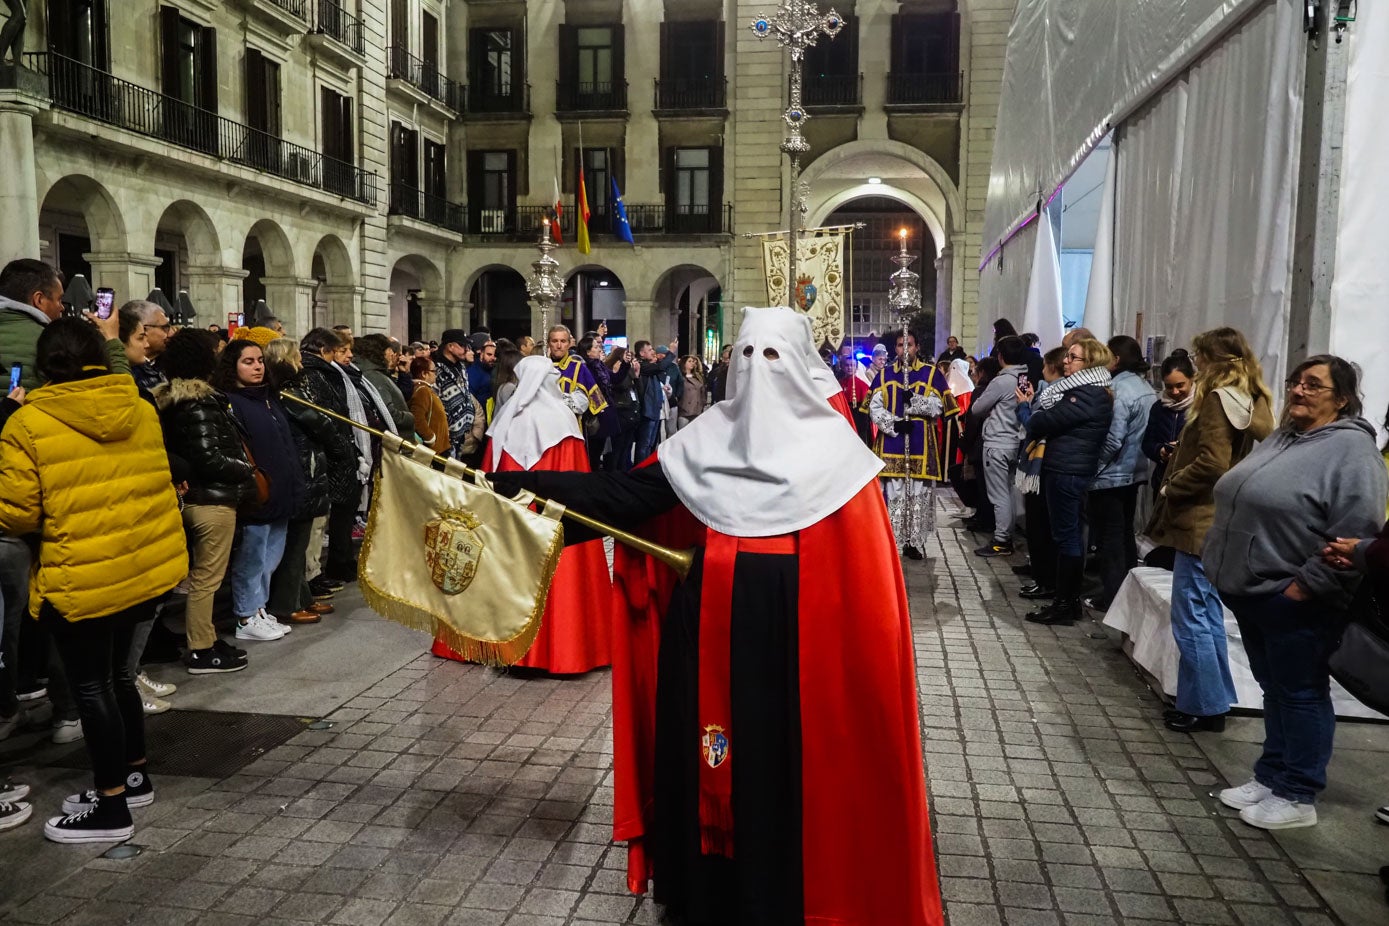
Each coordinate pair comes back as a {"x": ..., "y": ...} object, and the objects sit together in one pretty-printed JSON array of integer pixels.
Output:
[{"x": 874, "y": 181}]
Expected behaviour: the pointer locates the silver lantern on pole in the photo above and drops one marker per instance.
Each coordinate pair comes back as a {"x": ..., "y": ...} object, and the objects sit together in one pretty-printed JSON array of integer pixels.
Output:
[{"x": 546, "y": 283}]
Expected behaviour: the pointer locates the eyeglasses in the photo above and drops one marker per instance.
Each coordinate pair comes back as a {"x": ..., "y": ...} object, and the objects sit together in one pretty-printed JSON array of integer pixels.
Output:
[
  {"x": 1072, "y": 358},
  {"x": 164, "y": 327},
  {"x": 1308, "y": 388}
]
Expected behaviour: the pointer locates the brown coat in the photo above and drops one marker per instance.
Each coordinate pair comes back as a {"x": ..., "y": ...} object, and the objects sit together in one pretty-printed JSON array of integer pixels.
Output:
[
  {"x": 431, "y": 423},
  {"x": 1207, "y": 449}
]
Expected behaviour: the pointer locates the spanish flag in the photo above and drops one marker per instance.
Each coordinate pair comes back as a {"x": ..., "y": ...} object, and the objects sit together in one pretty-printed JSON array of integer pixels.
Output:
[{"x": 582, "y": 218}]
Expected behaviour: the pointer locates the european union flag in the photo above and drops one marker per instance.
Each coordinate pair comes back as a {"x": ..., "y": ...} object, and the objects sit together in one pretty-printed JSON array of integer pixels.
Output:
[{"x": 621, "y": 227}]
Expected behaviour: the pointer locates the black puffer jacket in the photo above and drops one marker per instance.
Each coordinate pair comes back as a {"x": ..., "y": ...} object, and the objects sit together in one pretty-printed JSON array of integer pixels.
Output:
[
  {"x": 314, "y": 437},
  {"x": 1075, "y": 429},
  {"x": 200, "y": 430},
  {"x": 320, "y": 383}
]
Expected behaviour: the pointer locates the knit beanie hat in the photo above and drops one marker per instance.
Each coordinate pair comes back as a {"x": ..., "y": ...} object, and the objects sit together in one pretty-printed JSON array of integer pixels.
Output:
[{"x": 261, "y": 336}]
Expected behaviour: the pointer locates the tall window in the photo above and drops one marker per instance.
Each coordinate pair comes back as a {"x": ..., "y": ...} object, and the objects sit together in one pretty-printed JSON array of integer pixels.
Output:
[
  {"x": 694, "y": 189},
  {"x": 189, "y": 70},
  {"x": 692, "y": 65},
  {"x": 597, "y": 168},
  {"x": 831, "y": 69},
  {"x": 436, "y": 208},
  {"x": 339, "y": 147},
  {"x": 494, "y": 65},
  {"x": 262, "y": 93},
  {"x": 591, "y": 68},
  {"x": 405, "y": 169},
  {"x": 595, "y": 58},
  {"x": 429, "y": 41},
  {"x": 80, "y": 30},
  {"x": 496, "y": 180},
  {"x": 491, "y": 191},
  {"x": 692, "y": 180}
]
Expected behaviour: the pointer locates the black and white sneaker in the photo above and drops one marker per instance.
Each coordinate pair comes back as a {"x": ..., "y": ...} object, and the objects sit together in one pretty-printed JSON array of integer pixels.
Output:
[
  {"x": 13, "y": 813},
  {"x": 214, "y": 660},
  {"x": 11, "y": 791},
  {"x": 106, "y": 819},
  {"x": 139, "y": 792}
]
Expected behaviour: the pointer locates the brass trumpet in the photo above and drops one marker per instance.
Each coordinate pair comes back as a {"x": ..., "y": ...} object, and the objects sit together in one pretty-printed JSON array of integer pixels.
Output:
[{"x": 679, "y": 560}]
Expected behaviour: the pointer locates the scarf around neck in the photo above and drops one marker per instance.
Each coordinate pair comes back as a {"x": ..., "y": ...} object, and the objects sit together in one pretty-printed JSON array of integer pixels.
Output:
[
  {"x": 1093, "y": 376},
  {"x": 1176, "y": 405}
]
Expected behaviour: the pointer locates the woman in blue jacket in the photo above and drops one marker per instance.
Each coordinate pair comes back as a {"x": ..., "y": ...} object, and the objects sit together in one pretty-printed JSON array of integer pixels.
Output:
[{"x": 1073, "y": 418}]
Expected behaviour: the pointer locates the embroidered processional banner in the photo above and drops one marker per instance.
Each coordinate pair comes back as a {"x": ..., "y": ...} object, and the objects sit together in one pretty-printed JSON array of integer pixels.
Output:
[{"x": 819, "y": 280}]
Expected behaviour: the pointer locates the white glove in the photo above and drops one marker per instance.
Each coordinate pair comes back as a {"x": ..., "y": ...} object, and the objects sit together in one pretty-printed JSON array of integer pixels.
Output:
[
  {"x": 578, "y": 401},
  {"x": 363, "y": 471},
  {"x": 924, "y": 407}
]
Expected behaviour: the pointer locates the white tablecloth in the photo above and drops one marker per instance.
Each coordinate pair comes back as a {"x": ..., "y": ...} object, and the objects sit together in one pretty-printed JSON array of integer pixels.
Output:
[{"x": 1142, "y": 611}]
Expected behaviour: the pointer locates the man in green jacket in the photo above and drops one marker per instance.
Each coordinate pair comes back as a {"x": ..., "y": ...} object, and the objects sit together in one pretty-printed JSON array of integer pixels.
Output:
[{"x": 31, "y": 295}]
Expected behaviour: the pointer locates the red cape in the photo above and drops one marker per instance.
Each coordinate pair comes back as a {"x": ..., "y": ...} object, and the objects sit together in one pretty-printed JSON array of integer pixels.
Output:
[
  {"x": 575, "y": 631},
  {"x": 866, "y": 839}
]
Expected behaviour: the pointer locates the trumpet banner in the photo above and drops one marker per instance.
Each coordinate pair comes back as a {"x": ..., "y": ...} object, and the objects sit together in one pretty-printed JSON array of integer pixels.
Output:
[
  {"x": 819, "y": 280},
  {"x": 455, "y": 559}
]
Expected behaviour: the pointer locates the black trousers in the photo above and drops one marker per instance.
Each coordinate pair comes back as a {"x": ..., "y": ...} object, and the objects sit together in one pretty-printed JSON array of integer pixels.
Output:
[
  {"x": 96, "y": 656},
  {"x": 1111, "y": 530},
  {"x": 288, "y": 590},
  {"x": 342, "y": 555},
  {"x": 1041, "y": 549}
]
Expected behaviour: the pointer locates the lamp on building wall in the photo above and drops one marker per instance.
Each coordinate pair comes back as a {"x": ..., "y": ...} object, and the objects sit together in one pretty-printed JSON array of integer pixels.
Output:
[
  {"x": 184, "y": 313},
  {"x": 78, "y": 295},
  {"x": 545, "y": 285}
]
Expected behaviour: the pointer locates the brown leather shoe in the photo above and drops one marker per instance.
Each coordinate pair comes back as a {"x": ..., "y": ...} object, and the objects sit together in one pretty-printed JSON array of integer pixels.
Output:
[
  {"x": 321, "y": 607},
  {"x": 299, "y": 617}
]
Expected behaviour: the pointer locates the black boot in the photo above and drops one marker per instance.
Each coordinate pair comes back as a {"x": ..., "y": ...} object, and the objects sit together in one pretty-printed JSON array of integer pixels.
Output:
[{"x": 1070, "y": 571}]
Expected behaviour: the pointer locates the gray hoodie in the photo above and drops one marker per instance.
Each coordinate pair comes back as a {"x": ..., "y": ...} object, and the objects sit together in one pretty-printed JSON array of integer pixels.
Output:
[
  {"x": 1330, "y": 478},
  {"x": 998, "y": 406}
]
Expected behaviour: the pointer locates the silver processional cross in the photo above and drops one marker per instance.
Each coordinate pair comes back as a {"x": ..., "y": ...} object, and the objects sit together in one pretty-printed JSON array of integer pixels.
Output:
[{"x": 796, "y": 25}]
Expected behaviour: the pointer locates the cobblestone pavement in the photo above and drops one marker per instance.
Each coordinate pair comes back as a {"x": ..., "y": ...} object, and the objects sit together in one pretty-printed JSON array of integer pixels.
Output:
[{"x": 456, "y": 794}]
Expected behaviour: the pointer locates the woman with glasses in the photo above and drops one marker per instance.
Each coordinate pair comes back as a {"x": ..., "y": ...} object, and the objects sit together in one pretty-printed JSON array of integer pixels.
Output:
[
  {"x": 1319, "y": 476},
  {"x": 1072, "y": 419},
  {"x": 1231, "y": 409}
]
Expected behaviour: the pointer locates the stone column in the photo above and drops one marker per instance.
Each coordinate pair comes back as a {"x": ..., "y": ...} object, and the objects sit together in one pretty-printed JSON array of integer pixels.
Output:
[
  {"x": 945, "y": 268},
  {"x": 130, "y": 275},
  {"x": 543, "y": 18},
  {"x": 641, "y": 322},
  {"x": 875, "y": 20},
  {"x": 438, "y": 315},
  {"x": 215, "y": 291},
  {"x": 643, "y": 60},
  {"x": 19, "y": 185},
  {"x": 458, "y": 313},
  {"x": 291, "y": 301},
  {"x": 344, "y": 305}
]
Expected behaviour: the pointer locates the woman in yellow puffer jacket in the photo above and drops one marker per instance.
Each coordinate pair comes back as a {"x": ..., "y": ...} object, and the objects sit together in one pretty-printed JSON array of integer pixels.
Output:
[{"x": 82, "y": 465}]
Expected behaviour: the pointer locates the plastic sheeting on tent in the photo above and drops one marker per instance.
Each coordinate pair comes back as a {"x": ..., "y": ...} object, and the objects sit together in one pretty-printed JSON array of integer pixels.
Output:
[
  {"x": 1360, "y": 290},
  {"x": 1207, "y": 182},
  {"x": 1099, "y": 295},
  {"x": 1074, "y": 69},
  {"x": 1042, "y": 313}
]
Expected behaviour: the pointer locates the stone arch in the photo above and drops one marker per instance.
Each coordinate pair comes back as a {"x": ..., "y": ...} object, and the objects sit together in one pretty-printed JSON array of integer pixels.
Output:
[
  {"x": 78, "y": 194},
  {"x": 274, "y": 247},
  {"x": 689, "y": 296},
  {"x": 519, "y": 265},
  {"x": 332, "y": 262},
  {"x": 187, "y": 218},
  {"x": 497, "y": 293},
  {"x": 417, "y": 297},
  {"x": 907, "y": 173}
]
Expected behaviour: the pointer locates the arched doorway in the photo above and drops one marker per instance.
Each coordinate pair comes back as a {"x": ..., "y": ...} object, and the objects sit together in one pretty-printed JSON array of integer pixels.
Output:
[
  {"x": 190, "y": 258},
  {"x": 869, "y": 260},
  {"x": 335, "y": 284},
  {"x": 267, "y": 255},
  {"x": 594, "y": 294},
  {"x": 79, "y": 218},
  {"x": 416, "y": 299},
  {"x": 692, "y": 297},
  {"x": 499, "y": 300}
]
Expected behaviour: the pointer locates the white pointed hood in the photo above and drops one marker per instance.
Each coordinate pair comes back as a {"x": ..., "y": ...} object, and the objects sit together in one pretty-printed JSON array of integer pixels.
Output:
[
  {"x": 775, "y": 457},
  {"x": 535, "y": 418}
]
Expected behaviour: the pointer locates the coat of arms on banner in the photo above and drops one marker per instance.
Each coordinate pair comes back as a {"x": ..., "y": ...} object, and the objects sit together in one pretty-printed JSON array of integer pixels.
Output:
[
  {"x": 452, "y": 549},
  {"x": 819, "y": 291}
]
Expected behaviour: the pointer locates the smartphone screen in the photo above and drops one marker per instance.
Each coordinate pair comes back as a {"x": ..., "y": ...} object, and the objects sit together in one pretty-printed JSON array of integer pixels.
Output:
[
  {"x": 16, "y": 374},
  {"x": 105, "y": 302}
]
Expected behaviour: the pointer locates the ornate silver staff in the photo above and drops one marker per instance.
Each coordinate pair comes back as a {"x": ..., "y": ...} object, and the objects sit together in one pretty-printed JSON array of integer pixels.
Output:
[
  {"x": 904, "y": 299},
  {"x": 545, "y": 285},
  {"x": 796, "y": 25}
]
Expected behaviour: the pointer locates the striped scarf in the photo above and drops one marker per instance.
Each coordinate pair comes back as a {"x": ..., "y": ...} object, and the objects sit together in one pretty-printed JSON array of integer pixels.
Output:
[{"x": 1029, "y": 478}]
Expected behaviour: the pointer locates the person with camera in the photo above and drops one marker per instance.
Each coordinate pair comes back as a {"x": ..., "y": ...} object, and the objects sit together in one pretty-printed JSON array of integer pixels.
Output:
[
  {"x": 83, "y": 466},
  {"x": 200, "y": 430}
]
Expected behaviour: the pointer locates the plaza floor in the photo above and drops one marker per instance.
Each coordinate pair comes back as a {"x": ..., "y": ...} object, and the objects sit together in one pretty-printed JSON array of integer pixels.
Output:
[{"x": 445, "y": 793}]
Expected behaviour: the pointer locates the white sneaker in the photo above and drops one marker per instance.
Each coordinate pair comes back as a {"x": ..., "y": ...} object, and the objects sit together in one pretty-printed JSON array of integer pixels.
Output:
[
  {"x": 1277, "y": 813},
  {"x": 158, "y": 689},
  {"x": 67, "y": 731},
  {"x": 256, "y": 629},
  {"x": 153, "y": 705},
  {"x": 273, "y": 621},
  {"x": 1246, "y": 795}
]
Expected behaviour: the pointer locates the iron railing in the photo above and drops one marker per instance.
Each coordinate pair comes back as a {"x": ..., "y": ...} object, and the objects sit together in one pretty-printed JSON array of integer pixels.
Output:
[
  {"x": 483, "y": 99},
  {"x": 523, "y": 222},
  {"x": 833, "y": 90},
  {"x": 299, "y": 8},
  {"x": 337, "y": 23},
  {"x": 925, "y": 89},
  {"x": 401, "y": 65},
  {"x": 436, "y": 210},
  {"x": 692, "y": 93},
  {"x": 94, "y": 94},
  {"x": 599, "y": 97}
]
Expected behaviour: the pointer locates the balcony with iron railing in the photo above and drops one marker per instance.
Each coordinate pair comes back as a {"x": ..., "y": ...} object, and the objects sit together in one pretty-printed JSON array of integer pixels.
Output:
[
  {"x": 335, "y": 22},
  {"x": 831, "y": 91},
  {"x": 426, "y": 207},
  {"x": 93, "y": 94},
  {"x": 676, "y": 96},
  {"x": 609, "y": 97},
  {"x": 423, "y": 76},
  {"x": 499, "y": 102},
  {"x": 522, "y": 223},
  {"x": 299, "y": 8},
  {"x": 283, "y": 17},
  {"x": 928, "y": 91}
]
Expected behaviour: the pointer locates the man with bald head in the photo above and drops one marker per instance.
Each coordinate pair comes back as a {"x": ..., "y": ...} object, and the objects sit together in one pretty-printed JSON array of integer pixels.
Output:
[{"x": 157, "y": 330}]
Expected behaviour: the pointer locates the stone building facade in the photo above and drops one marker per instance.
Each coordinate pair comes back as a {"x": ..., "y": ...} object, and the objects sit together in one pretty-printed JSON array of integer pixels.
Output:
[{"x": 380, "y": 162}]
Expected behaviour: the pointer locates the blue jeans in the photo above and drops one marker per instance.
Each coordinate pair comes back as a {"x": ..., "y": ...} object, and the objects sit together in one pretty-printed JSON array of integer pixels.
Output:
[
  {"x": 648, "y": 432},
  {"x": 1065, "y": 498},
  {"x": 254, "y": 563},
  {"x": 1289, "y": 644},
  {"x": 1204, "y": 685}
]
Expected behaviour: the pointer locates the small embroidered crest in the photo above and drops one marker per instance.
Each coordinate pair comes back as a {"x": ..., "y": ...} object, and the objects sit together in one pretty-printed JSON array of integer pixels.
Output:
[
  {"x": 452, "y": 549},
  {"x": 806, "y": 291},
  {"x": 714, "y": 745}
]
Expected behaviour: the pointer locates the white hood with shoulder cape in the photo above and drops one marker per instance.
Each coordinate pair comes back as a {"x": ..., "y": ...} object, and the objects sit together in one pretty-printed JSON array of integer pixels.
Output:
[
  {"x": 535, "y": 418},
  {"x": 774, "y": 457}
]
